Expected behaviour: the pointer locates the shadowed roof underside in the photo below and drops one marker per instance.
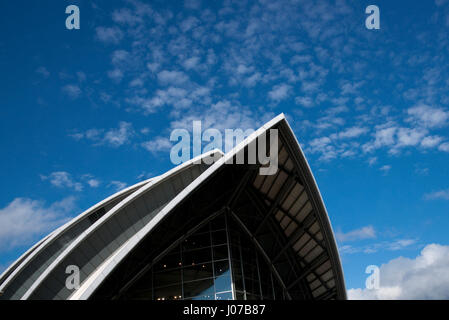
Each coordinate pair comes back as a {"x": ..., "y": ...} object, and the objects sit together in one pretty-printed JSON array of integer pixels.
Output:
[{"x": 283, "y": 214}]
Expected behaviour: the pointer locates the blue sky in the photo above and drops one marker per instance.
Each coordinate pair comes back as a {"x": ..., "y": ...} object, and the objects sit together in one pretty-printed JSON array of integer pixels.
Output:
[{"x": 87, "y": 112}]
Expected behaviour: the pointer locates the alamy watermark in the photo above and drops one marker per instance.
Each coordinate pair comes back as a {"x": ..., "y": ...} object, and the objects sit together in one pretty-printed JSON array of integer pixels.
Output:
[
  {"x": 373, "y": 281},
  {"x": 262, "y": 150},
  {"x": 73, "y": 20},
  {"x": 72, "y": 282}
]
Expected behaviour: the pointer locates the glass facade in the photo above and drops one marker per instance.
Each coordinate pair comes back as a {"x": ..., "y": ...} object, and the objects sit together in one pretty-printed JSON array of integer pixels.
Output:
[{"x": 217, "y": 262}]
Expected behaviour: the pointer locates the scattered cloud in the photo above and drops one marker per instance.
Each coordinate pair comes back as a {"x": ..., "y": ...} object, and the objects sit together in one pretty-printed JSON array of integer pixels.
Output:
[
  {"x": 120, "y": 136},
  {"x": 115, "y": 75},
  {"x": 367, "y": 232},
  {"x": 72, "y": 90},
  {"x": 166, "y": 77},
  {"x": 279, "y": 92},
  {"x": 385, "y": 169},
  {"x": 111, "y": 35},
  {"x": 62, "y": 179},
  {"x": 114, "y": 137},
  {"x": 429, "y": 117},
  {"x": 158, "y": 144},
  {"x": 394, "y": 245},
  {"x": 24, "y": 220},
  {"x": 422, "y": 278},
  {"x": 117, "y": 185},
  {"x": 437, "y": 195}
]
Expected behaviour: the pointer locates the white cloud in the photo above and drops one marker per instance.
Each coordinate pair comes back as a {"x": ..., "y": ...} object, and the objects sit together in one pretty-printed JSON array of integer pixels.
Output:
[
  {"x": 427, "y": 116},
  {"x": 279, "y": 92},
  {"x": 222, "y": 115},
  {"x": 191, "y": 63},
  {"x": 409, "y": 137},
  {"x": 431, "y": 141},
  {"x": 114, "y": 137},
  {"x": 120, "y": 136},
  {"x": 62, "y": 179},
  {"x": 442, "y": 194},
  {"x": 378, "y": 246},
  {"x": 166, "y": 77},
  {"x": 385, "y": 136},
  {"x": 158, "y": 144},
  {"x": 304, "y": 101},
  {"x": 349, "y": 133},
  {"x": 116, "y": 75},
  {"x": 367, "y": 232},
  {"x": 119, "y": 57},
  {"x": 424, "y": 277},
  {"x": 117, "y": 185},
  {"x": 385, "y": 169},
  {"x": 372, "y": 160},
  {"x": 109, "y": 35},
  {"x": 188, "y": 24},
  {"x": 192, "y": 4},
  {"x": 444, "y": 147},
  {"x": 93, "y": 183},
  {"x": 23, "y": 220},
  {"x": 72, "y": 90},
  {"x": 126, "y": 16}
]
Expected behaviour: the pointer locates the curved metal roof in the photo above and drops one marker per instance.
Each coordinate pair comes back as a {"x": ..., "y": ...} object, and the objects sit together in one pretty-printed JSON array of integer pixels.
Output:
[
  {"x": 21, "y": 274},
  {"x": 304, "y": 257}
]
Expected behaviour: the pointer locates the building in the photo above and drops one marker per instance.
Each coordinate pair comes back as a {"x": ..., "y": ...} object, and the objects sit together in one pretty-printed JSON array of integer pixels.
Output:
[{"x": 199, "y": 231}]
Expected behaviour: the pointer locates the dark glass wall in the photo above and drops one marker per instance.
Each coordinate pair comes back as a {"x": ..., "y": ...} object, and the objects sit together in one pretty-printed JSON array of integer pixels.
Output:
[{"x": 199, "y": 268}]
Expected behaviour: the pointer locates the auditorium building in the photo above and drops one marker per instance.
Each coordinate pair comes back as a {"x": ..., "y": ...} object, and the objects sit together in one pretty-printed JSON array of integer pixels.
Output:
[{"x": 217, "y": 231}]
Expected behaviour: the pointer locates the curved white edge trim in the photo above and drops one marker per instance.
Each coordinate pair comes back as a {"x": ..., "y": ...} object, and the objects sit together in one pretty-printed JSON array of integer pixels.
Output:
[
  {"x": 330, "y": 236},
  {"x": 19, "y": 259},
  {"x": 154, "y": 182},
  {"x": 53, "y": 235},
  {"x": 90, "y": 285}
]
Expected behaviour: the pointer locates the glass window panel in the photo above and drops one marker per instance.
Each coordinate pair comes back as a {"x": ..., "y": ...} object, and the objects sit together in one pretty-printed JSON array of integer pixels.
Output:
[
  {"x": 250, "y": 269},
  {"x": 197, "y": 241},
  {"x": 267, "y": 291},
  {"x": 250, "y": 296},
  {"x": 169, "y": 261},
  {"x": 144, "y": 283},
  {"x": 218, "y": 223},
  {"x": 221, "y": 267},
  {"x": 238, "y": 281},
  {"x": 162, "y": 279},
  {"x": 224, "y": 296},
  {"x": 223, "y": 276},
  {"x": 252, "y": 286},
  {"x": 240, "y": 295},
  {"x": 221, "y": 252},
  {"x": 199, "y": 289},
  {"x": 168, "y": 293},
  {"x": 223, "y": 282},
  {"x": 219, "y": 237},
  {"x": 197, "y": 256},
  {"x": 198, "y": 271}
]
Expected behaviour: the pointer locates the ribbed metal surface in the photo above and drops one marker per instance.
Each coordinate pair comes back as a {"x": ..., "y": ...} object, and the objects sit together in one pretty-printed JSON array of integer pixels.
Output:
[{"x": 111, "y": 234}]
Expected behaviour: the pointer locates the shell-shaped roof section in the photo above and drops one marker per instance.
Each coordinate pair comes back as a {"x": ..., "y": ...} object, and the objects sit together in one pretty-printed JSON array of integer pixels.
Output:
[
  {"x": 287, "y": 202},
  {"x": 24, "y": 271},
  {"x": 103, "y": 238},
  {"x": 291, "y": 196}
]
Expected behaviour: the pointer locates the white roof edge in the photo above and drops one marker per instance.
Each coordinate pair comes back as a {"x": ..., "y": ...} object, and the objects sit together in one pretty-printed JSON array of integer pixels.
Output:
[
  {"x": 46, "y": 241},
  {"x": 18, "y": 260},
  {"x": 154, "y": 181},
  {"x": 330, "y": 237},
  {"x": 92, "y": 283}
]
